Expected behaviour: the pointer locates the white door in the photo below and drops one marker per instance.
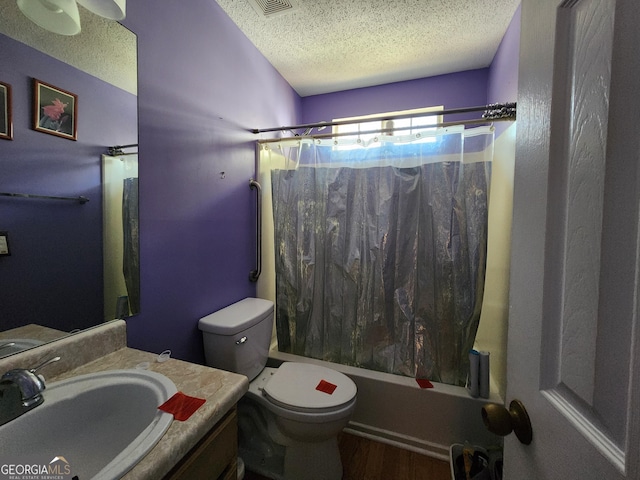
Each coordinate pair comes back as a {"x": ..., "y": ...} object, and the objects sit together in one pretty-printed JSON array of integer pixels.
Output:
[{"x": 573, "y": 350}]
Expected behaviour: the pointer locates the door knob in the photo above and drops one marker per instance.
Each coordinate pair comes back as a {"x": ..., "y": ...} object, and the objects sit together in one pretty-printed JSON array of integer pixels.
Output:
[{"x": 502, "y": 422}]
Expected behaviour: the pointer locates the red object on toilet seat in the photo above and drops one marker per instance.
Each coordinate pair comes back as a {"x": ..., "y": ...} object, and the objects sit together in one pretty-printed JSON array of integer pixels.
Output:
[{"x": 326, "y": 387}]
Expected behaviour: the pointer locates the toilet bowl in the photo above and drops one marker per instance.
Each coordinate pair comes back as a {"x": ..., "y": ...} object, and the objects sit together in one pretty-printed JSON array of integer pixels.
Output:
[{"x": 291, "y": 416}]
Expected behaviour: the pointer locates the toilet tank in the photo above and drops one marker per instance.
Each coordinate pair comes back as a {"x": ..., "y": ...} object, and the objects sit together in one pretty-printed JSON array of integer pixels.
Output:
[{"x": 236, "y": 338}]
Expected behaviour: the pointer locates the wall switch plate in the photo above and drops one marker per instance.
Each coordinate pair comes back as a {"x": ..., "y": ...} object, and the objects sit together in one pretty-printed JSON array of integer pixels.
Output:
[{"x": 4, "y": 244}]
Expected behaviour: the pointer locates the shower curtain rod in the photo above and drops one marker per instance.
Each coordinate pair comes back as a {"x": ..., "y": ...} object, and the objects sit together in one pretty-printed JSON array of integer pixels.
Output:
[
  {"x": 476, "y": 121},
  {"x": 492, "y": 112},
  {"x": 116, "y": 150}
]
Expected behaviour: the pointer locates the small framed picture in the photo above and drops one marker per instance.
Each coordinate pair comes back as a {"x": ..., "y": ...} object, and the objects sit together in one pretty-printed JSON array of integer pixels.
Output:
[
  {"x": 6, "y": 121},
  {"x": 55, "y": 111}
]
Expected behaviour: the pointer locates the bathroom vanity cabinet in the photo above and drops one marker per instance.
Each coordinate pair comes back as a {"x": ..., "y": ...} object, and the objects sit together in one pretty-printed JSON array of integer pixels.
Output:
[{"x": 215, "y": 456}]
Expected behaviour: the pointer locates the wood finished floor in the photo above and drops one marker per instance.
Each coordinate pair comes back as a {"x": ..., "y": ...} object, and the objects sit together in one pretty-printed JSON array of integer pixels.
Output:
[{"x": 364, "y": 459}]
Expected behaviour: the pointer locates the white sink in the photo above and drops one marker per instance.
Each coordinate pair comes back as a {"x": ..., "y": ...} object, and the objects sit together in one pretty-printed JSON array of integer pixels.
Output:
[
  {"x": 102, "y": 423},
  {"x": 19, "y": 344}
]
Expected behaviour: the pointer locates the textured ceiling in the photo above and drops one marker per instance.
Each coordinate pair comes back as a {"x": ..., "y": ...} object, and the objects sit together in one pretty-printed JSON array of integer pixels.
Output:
[{"x": 323, "y": 46}]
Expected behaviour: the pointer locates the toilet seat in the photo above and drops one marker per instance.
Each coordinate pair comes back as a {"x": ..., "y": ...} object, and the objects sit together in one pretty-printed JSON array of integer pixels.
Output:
[{"x": 298, "y": 387}]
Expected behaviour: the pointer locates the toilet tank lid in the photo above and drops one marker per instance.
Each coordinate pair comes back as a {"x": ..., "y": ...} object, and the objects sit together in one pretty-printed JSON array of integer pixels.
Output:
[{"x": 236, "y": 317}]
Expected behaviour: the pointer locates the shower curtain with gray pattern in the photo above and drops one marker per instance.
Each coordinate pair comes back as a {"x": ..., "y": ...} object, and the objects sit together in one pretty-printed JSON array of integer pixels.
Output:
[
  {"x": 131, "y": 243},
  {"x": 380, "y": 249}
]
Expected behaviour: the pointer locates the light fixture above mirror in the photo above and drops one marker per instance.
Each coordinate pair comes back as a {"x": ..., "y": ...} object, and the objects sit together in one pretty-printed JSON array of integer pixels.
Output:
[
  {"x": 62, "y": 16},
  {"x": 112, "y": 9}
]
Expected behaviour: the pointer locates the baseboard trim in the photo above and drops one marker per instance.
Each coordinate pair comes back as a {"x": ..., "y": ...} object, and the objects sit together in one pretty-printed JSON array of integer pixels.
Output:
[{"x": 434, "y": 450}]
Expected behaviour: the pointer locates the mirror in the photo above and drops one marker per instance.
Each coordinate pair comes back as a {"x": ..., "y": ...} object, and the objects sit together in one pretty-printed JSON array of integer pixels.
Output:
[{"x": 52, "y": 277}]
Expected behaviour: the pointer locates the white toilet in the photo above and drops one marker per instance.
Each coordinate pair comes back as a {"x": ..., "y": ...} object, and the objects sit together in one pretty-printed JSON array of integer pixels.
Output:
[{"x": 291, "y": 416}]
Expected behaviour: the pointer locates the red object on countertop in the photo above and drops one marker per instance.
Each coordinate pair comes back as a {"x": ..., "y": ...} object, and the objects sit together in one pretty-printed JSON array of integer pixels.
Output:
[{"x": 182, "y": 406}]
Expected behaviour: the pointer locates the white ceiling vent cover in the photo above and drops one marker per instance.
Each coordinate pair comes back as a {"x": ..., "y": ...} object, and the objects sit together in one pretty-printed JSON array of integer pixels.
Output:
[{"x": 271, "y": 8}]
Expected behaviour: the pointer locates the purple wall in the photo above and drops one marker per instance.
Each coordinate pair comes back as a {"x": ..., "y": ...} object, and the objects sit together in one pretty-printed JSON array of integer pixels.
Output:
[
  {"x": 454, "y": 90},
  {"x": 503, "y": 74},
  {"x": 202, "y": 85},
  {"x": 54, "y": 274}
]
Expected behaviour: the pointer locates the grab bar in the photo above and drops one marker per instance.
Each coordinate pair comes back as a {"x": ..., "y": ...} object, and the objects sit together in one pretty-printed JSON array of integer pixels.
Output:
[{"x": 255, "y": 274}]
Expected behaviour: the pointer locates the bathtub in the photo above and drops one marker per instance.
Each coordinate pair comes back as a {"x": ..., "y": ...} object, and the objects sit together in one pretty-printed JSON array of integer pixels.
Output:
[{"x": 395, "y": 410}]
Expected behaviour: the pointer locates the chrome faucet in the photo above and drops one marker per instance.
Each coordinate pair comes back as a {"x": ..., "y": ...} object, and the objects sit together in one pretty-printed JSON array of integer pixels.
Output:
[{"x": 21, "y": 390}]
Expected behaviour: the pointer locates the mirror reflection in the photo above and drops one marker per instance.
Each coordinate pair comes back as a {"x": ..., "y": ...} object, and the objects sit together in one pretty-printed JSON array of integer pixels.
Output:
[
  {"x": 121, "y": 235},
  {"x": 53, "y": 281}
]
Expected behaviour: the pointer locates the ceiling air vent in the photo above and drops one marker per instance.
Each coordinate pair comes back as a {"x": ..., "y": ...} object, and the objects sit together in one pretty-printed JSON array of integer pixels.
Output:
[{"x": 271, "y": 8}]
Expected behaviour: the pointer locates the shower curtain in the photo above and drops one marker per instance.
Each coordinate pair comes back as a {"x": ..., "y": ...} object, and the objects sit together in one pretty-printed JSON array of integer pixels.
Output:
[
  {"x": 131, "y": 243},
  {"x": 380, "y": 248}
]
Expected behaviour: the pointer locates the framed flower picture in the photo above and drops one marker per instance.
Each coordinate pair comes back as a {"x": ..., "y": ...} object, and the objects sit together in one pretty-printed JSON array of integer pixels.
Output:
[
  {"x": 6, "y": 121},
  {"x": 55, "y": 111}
]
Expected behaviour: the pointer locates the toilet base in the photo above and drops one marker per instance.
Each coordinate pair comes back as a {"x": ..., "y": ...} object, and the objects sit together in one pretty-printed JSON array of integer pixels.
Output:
[
  {"x": 303, "y": 461},
  {"x": 266, "y": 452},
  {"x": 313, "y": 461},
  {"x": 260, "y": 453}
]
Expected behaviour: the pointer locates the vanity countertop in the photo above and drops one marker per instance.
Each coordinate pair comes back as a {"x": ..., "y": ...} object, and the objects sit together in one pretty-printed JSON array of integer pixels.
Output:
[
  {"x": 221, "y": 389},
  {"x": 33, "y": 332}
]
